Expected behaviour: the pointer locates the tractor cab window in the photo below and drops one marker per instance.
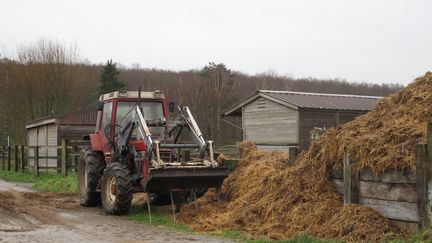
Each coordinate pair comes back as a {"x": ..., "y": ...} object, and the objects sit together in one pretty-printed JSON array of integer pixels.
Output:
[
  {"x": 151, "y": 110},
  {"x": 107, "y": 112}
]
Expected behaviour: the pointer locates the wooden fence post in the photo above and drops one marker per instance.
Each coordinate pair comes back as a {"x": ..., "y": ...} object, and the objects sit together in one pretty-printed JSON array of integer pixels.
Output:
[
  {"x": 293, "y": 153},
  {"x": 351, "y": 180},
  {"x": 23, "y": 160},
  {"x": 75, "y": 157},
  {"x": 423, "y": 177},
  {"x": 429, "y": 141},
  {"x": 64, "y": 157},
  {"x": 36, "y": 160},
  {"x": 16, "y": 158},
  {"x": 9, "y": 158},
  {"x": 3, "y": 158}
]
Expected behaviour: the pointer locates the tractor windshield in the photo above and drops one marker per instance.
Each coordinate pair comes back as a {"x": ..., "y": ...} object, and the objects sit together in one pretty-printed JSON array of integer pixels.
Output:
[{"x": 151, "y": 110}]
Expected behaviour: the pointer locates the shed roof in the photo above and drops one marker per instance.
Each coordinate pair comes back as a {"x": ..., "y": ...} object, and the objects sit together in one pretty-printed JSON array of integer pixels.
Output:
[
  {"x": 84, "y": 118},
  {"x": 301, "y": 100}
]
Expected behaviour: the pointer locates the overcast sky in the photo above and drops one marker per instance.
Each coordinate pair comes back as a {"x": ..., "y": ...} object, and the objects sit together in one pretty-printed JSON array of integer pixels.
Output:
[{"x": 369, "y": 40}]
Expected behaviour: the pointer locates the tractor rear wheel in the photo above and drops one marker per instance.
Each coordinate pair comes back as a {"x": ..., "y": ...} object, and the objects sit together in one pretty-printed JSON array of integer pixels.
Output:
[
  {"x": 90, "y": 169},
  {"x": 117, "y": 189}
]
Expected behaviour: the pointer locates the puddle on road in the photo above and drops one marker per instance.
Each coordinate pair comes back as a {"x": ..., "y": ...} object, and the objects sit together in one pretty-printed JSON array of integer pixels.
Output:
[{"x": 68, "y": 215}]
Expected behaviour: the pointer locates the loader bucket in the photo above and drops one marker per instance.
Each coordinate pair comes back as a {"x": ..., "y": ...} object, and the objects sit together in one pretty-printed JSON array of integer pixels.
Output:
[{"x": 185, "y": 178}]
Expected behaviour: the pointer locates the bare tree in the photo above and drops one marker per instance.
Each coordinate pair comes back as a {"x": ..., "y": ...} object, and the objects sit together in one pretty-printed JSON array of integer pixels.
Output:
[{"x": 45, "y": 78}]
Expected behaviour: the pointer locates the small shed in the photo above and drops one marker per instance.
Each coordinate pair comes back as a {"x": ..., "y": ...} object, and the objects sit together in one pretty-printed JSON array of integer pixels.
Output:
[
  {"x": 47, "y": 133},
  {"x": 277, "y": 120}
]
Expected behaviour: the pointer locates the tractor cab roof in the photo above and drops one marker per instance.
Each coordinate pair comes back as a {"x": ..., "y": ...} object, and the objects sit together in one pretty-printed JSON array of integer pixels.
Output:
[{"x": 132, "y": 95}]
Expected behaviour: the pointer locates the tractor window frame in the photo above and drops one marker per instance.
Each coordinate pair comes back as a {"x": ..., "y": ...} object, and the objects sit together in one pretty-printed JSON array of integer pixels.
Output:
[
  {"x": 151, "y": 110},
  {"x": 106, "y": 114}
]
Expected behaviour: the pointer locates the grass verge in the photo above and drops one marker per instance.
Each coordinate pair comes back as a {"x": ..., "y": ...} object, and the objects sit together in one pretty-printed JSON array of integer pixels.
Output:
[
  {"x": 423, "y": 235},
  {"x": 163, "y": 218},
  {"x": 50, "y": 182},
  {"x": 159, "y": 218}
]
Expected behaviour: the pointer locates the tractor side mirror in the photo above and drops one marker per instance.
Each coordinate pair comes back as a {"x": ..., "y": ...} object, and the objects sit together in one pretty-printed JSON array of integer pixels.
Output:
[
  {"x": 171, "y": 106},
  {"x": 99, "y": 105}
]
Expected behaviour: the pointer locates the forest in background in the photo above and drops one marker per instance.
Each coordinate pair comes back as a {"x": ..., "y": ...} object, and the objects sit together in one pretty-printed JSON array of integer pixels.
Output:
[{"x": 48, "y": 77}]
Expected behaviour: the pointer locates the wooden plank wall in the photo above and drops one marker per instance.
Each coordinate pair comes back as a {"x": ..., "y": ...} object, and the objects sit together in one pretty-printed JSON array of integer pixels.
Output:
[
  {"x": 393, "y": 194},
  {"x": 268, "y": 123},
  {"x": 86, "y": 117},
  {"x": 310, "y": 118},
  {"x": 402, "y": 196}
]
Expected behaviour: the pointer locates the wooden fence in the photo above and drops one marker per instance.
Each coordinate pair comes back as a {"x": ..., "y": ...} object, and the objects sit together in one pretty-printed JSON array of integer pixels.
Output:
[
  {"x": 36, "y": 159},
  {"x": 402, "y": 196}
]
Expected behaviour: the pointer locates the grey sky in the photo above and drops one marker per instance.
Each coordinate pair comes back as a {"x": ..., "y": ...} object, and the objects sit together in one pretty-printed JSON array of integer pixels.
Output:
[{"x": 369, "y": 40}]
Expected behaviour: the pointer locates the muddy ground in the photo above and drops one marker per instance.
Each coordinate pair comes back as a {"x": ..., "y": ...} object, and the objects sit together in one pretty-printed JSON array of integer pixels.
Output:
[{"x": 28, "y": 216}]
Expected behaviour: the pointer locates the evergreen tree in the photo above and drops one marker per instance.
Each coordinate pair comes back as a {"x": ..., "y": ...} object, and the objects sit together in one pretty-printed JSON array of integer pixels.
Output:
[{"x": 109, "y": 79}]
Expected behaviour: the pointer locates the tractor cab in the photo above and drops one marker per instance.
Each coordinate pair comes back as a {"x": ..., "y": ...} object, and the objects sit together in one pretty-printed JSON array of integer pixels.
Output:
[{"x": 115, "y": 106}]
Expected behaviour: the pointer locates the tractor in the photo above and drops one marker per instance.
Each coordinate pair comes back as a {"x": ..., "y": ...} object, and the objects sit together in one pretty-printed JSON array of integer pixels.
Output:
[{"x": 136, "y": 148}]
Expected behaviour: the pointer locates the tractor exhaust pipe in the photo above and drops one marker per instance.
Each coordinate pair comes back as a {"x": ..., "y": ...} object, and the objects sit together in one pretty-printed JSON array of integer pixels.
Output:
[{"x": 139, "y": 98}]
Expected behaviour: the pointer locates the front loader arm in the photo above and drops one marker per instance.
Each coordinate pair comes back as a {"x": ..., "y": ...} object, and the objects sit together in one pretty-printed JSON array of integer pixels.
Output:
[
  {"x": 197, "y": 136},
  {"x": 186, "y": 116},
  {"x": 136, "y": 119}
]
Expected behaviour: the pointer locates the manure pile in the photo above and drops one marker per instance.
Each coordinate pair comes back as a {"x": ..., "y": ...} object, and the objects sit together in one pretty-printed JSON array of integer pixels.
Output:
[{"x": 266, "y": 197}]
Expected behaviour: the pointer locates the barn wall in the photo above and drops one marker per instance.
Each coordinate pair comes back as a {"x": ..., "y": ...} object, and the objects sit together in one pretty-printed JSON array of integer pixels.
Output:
[
  {"x": 44, "y": 136},
  {"x": 31, "y": 141},
  {"x": 52, "y": 142},
  {"x": 75, "y": 132},
  {"x": 270, "y": 148},
  {"x": 268, "y": 123},
  {"x": 321, "y": 118},
  {"x": 345, "y": 117},
  {"x": 87, "y": 117},
  {"x": 313, "y": 118}
]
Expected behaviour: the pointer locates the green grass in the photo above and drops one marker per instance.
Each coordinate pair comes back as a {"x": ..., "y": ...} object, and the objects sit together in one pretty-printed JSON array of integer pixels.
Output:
[
  {"x": 424, "y": 235},
  {"x": 164, "y": 219},
  {"x": 44, "y": 182},
  {"x": 239, "y": 236},
  {"x": 297, "y": 239},
  {"x": 158, "y": 217}
]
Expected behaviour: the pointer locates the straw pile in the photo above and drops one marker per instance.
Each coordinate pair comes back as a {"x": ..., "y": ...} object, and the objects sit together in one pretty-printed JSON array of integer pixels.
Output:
[
  {"x": 385, "y": 138},
  {"x": 265, "y": 197}
]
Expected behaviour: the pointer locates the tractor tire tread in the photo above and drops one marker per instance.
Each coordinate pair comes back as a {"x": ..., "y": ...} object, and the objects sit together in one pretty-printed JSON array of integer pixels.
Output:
[
  {"x": 124, "y": 185},
  {"x": 95, "y": 167}
]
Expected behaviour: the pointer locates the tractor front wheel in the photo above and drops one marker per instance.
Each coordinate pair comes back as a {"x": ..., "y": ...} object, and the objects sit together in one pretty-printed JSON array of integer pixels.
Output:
[{"x": 117, "y": 189}]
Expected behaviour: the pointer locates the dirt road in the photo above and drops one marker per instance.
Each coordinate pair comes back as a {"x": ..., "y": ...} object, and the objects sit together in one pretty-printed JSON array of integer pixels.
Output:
[{"x": 27, "y": 216}]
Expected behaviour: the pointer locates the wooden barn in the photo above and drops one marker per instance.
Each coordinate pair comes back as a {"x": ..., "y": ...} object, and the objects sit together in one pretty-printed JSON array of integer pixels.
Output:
[
  {"x": 277, "y": 120},
  {"x": 47, "y": 133}
]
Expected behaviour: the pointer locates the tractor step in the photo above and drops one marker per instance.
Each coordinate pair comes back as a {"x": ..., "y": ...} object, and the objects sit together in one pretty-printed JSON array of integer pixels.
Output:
[{"x": 184, "y": 178}]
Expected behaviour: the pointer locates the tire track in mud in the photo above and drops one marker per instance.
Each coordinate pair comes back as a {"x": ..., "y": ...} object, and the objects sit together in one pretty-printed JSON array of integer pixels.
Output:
[
  {"x": 27, "y": 216},
  {"x": 24, "y": 211}
]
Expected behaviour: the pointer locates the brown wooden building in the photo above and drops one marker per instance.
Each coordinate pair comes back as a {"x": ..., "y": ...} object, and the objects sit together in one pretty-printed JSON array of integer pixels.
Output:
[
  {"x": 47, "y": 133},
  {"x": 277, "y": 120}
]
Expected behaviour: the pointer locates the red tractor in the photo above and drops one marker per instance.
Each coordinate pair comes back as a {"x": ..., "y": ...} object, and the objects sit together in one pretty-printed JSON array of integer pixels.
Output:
[{"x": 135, "y": 149}]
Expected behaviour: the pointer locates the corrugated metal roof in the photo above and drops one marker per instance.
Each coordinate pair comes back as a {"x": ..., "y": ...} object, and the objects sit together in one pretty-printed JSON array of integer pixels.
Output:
[
  {"x": 83, "y": 117},
  {"x": 325, "y": 101},
  {"x": 303, "y": 100}
]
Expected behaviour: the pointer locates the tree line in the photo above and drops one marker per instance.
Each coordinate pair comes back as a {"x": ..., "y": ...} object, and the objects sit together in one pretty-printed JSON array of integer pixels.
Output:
[{"x": 47, "y": 77}]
